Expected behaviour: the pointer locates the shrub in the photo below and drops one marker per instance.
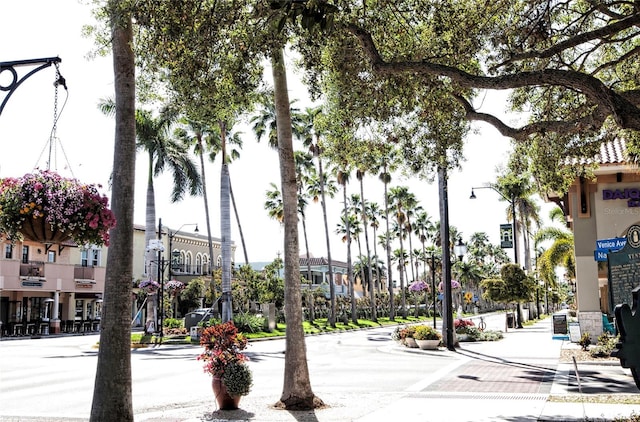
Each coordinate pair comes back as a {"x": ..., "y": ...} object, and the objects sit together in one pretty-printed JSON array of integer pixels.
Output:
[
  {"x": 426, "y": 332},
  {"x": 489, "y": 335},
  {"x": 585, "y": 341},
  {"x": 248, "y": 323},
  {"x": 237, "y": 379},
  {"x": 606, "y": 344},
  {"x": 173, "y": 323}
]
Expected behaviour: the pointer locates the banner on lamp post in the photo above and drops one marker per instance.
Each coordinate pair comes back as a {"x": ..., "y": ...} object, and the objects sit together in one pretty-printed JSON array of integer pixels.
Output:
[{"x": 506, "y": 236}]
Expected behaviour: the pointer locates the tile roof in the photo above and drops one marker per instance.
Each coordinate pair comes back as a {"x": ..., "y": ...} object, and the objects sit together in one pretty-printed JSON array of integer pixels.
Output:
[{"x": 611, "y": 152}]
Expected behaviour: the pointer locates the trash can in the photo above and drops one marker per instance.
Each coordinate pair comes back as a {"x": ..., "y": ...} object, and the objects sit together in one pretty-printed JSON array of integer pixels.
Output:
[
  {"x": 511, "y": 320},
  {"x": 194, "y": 333}
]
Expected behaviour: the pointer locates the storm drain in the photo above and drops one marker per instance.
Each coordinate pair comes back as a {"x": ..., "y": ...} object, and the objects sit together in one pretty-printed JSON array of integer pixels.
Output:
[{"x": 480, "y": 396}]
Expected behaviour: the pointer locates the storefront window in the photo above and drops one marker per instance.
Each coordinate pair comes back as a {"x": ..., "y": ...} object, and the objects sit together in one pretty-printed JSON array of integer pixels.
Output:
[
  {"x": 37, "y": 308},
  {"x": 79, "y": 309}
]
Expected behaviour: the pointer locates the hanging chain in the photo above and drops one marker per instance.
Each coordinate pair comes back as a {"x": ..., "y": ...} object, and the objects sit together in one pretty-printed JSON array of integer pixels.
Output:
[{"x": 52, "y": 138}]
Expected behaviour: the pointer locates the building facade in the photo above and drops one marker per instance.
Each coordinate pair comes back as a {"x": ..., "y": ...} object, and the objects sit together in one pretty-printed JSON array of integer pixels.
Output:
[
  {"x": 598, "y": 210},
  {"x": 53, "y": 288},
  {"x": 50, "y": 287}
]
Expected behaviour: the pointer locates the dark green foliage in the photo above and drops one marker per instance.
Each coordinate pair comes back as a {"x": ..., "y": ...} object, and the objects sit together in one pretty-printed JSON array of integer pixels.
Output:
[{"x": 247, "y": 323}]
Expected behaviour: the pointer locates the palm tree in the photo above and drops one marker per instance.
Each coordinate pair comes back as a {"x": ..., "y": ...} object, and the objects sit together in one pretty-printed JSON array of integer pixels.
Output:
[
  {"x": 208, "y": 140},
  {"x": 265, "y": 122},
  {"x": 373, "y": 213},
  {"x": 360, "y": 173},
  {"x": 356, "y": 228},
  {"x": 559, "y": 253},
  {"x": 342, "y": 176},
  {"x": 153, "y": 136},
  {"x": 385, "y": 176},
  {"x": 309, "y": 131},
  {"x": 399, "y": 197},
  {"x": 297, "y": 391},
  {"x": 305, "y": 172},
  {"x": 112, "y": 387},
  {"x": 423, "y": 228},
  {"x": 273, "y": 205}
]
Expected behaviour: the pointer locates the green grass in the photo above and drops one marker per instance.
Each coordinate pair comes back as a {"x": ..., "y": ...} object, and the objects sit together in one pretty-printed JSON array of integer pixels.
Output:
[{"x": 319, "y": 326}]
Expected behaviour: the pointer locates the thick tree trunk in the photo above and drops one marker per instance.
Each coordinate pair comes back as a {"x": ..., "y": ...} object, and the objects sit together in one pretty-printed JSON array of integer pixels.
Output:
[
  {"x": 296, "y": 392},
  {"x": 112, "y": 389}
]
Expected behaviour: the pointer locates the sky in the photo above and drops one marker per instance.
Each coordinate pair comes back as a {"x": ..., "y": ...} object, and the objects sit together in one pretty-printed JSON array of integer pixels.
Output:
[{"x": 84, "y": 139}]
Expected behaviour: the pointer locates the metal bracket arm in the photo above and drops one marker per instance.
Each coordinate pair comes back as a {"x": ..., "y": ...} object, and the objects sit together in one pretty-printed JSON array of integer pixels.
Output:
[{"x": 16, "y": 81}]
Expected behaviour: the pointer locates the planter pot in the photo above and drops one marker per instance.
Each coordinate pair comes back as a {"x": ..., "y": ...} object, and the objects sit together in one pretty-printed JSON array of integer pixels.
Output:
[
  {"x": 428, "y": 344},
  {"x": 464, "y": 337},
  {"x": 38, "y": 230},
  {"x": 410, "y": 342},
  {"x": 224, "y": 400}
]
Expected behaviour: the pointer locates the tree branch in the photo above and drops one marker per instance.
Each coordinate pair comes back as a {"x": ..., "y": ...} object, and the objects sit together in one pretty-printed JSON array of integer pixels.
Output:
[
  {"x": 579, "y": 39},
  {"x": 609, "y": 102},
  {"x": 587, "y": 123}
]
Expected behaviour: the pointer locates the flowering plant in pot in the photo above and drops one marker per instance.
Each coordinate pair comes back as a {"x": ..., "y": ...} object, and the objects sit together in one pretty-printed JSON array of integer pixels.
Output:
[
  {"x": 149, "y": 286},
  {"x": 462, "y": 326},
  {"x": 426, "y": 332},
  {"x": 224, "y": 360},
  {"x": 174, "y": 287},
  {"x": 48, "y": 208}
]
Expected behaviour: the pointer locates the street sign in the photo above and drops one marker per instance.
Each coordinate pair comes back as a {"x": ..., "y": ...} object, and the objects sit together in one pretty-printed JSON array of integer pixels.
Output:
[
  {"x": 612, "y": 244},
  {"x": 604, "y": 246}
]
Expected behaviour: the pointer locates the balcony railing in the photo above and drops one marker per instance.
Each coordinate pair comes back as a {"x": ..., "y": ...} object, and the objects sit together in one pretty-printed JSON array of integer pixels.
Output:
[
  {"x": 177, "y": 268},
  {"x": 84, "y": 273},
  {"x": 32, "y": 269}
]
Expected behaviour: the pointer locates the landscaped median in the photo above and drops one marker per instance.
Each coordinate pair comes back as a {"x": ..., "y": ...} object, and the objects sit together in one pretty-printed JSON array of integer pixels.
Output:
[{"x": 319, "y": 326}]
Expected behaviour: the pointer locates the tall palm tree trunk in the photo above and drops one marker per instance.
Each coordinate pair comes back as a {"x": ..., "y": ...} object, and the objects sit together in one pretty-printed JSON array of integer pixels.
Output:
[
  {"x": 392, "y": 307},
  {"x": 350, "y": 275},
  {"x": 365, "y": 225},
  {"x": 296, "y": 392},
  {"x": 403, "y": 294},
  {"x": 212, "y": 282},
  {"x": 225, "y": 230},
  {"x": 112, "y": 399},
  {"x": 150, "y": 255}
]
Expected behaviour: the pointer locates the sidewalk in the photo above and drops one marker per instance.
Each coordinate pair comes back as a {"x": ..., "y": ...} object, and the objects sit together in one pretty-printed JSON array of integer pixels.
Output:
[{"x": 514, "y": 379}]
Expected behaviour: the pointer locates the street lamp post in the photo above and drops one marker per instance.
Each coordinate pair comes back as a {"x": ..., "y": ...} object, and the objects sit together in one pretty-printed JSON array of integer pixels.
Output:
[{"x": 512, "y": 202}]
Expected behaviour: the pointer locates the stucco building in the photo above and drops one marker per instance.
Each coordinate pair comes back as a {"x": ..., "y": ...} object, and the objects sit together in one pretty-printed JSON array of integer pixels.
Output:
[{"x": 597, "y": 211}]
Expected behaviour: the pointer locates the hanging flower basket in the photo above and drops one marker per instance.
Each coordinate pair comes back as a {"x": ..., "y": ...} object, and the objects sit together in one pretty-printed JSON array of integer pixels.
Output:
[
  {"x": 174, "y": 287},
  {"x": 149, "y": 286},
  {"x": 48, "y": 208}
]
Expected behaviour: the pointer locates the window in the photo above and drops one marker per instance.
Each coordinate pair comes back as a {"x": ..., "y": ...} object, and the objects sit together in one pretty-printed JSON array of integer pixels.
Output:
[
  {"x": 8, "y": 251},
  {"x": 51, "y": 256},
  {"x": 25, "y": 254},
  {"x": 92, "y": 255}
]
